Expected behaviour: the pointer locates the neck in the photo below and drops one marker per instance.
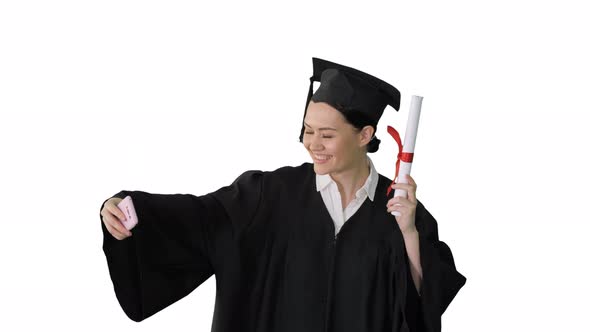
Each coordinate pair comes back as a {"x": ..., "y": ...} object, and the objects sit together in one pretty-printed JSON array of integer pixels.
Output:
[{"x": 349, "y": 181}]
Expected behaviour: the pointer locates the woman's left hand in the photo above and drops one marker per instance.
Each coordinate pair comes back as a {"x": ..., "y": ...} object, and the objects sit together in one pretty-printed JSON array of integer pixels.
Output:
[{"x": 405, "y": 206}]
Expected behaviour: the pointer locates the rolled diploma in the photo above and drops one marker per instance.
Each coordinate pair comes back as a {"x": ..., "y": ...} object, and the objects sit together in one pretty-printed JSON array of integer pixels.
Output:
[{"x": 408, "y": 146}]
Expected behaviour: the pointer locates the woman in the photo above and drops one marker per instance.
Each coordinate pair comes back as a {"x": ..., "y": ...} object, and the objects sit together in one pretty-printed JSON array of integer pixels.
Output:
[{"x": 306, "y": 248}]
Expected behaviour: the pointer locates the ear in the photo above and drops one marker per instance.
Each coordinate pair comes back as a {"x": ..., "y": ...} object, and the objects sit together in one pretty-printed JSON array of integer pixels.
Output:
[{"x": 365, "y": 134}]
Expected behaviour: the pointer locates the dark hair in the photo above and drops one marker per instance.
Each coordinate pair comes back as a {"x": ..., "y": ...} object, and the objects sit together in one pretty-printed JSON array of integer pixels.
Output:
[{"x": 358, "y": 120}]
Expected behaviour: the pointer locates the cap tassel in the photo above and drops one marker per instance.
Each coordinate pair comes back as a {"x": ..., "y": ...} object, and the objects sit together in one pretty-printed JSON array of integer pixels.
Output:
[{"x": 309, "y": 94}]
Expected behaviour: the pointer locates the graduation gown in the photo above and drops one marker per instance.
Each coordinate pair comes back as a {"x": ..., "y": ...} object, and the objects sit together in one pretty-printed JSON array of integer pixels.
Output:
[{"x": 270, "y": 242}]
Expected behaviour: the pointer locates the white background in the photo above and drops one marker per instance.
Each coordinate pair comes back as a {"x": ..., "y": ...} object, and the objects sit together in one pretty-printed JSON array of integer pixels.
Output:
[{"x": 177, "y": 97}]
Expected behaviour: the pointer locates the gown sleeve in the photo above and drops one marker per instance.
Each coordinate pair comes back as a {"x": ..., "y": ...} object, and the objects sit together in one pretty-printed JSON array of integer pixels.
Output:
[
  {"x": 178, "y": 243},
  {"x": 440, "y": 279}
]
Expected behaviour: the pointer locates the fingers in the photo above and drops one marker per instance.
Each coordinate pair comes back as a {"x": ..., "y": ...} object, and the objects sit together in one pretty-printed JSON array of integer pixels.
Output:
[
  {"x": 112, "y": 217},
  {"x": 409, "y": 187},
  {"x": 412, "y": 193},
  {"x": 114, "y": 232},
  {"x": 410, "y": 179},
  {"x": 114, "y": 209},
  {"x": 411, "y": 183},
  {"x": 400, "y": 208},
  {"x": 399, "y": 203},
  {"x": 116, "y": 225},
  {"x": 399, "y": 200}
]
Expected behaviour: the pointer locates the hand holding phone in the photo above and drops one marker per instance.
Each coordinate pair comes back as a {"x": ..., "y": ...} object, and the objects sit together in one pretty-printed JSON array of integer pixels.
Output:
[{"x": 126, "y": 205}]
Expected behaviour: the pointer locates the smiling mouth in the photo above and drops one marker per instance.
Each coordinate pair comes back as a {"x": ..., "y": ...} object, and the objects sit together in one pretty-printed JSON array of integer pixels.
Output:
[{"x": 321, "y": 157}]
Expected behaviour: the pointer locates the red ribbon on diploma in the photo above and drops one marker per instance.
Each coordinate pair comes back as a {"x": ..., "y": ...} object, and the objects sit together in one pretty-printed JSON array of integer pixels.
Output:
[{"x": 404, "y": 156}]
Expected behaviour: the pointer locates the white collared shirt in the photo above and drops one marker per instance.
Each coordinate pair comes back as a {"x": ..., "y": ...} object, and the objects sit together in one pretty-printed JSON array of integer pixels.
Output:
[{"x": 333, "y": 201}]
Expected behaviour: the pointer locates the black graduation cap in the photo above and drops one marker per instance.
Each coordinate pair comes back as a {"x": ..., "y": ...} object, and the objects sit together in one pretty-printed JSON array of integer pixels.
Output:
[{"x": 349, "y": 89}]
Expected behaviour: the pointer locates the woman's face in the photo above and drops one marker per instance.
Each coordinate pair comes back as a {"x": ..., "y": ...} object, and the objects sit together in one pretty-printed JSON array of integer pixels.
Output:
[{"x": 333, "y": 143}]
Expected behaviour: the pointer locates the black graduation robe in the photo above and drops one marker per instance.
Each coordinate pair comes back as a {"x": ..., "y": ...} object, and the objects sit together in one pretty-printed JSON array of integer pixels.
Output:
[{"x": 270, "y": 242}]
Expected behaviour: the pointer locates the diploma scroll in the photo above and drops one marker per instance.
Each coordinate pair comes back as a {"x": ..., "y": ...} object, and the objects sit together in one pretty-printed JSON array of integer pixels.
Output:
[{"x": 408, "y": 148}]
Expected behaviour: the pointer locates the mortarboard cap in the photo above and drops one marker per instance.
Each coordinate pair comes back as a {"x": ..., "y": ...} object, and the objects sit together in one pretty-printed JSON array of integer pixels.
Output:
[{"x": 349, "y": 89}]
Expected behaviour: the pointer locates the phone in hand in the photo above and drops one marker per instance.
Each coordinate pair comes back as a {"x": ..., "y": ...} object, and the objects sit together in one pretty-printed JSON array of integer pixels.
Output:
[{"x": 126, "y": 205}]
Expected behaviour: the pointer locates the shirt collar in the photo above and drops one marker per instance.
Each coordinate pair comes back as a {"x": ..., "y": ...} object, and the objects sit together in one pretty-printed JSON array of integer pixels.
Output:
[{"x": 370, "y": 186}]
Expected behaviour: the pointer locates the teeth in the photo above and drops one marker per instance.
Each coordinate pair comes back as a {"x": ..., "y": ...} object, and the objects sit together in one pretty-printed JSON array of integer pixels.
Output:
[{"x": 322, "y": 157}]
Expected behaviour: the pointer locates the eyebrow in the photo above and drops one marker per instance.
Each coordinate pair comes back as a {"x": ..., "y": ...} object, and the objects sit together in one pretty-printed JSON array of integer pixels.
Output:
[{"x": 323, "y": 128}]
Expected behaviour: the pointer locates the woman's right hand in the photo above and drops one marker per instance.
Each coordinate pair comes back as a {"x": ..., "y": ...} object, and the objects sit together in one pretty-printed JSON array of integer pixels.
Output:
[{"x": 112, "y": 216}]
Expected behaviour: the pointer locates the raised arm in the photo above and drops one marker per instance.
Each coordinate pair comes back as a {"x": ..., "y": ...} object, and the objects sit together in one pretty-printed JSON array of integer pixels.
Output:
[{"x": 179, "y": 242}]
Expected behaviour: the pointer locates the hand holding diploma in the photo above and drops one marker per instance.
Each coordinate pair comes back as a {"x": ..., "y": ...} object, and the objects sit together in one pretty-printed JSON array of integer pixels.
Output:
[
  {"x": 404, "y": 208},
  {"x": 403, "y": 204}
]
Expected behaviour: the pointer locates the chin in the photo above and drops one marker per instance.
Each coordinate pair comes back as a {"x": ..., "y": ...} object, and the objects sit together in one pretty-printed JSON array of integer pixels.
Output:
[{"x": 321, "y": 169}]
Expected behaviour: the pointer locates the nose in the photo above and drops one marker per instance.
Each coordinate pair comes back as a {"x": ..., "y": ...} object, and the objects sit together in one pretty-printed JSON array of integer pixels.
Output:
[{"x": 315, "y": 143}]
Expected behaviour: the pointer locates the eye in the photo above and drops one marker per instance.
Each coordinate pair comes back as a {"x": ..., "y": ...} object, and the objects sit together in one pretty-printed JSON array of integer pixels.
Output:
[
  {"x": 309, "y": 132},
  {"x": 326, "y": 136}
]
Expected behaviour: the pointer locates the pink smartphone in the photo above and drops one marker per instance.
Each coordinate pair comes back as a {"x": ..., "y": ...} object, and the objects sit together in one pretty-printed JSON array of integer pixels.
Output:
[{"x": 126, "y": 205}]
